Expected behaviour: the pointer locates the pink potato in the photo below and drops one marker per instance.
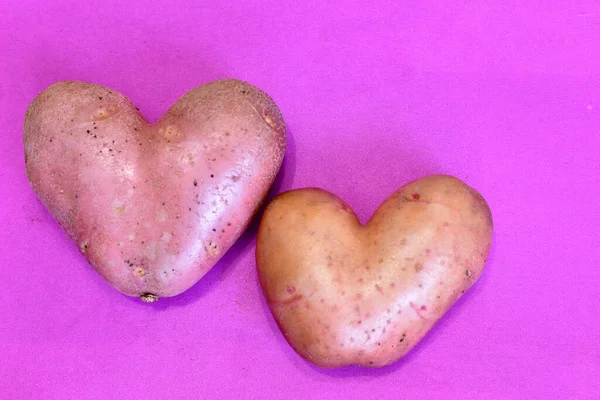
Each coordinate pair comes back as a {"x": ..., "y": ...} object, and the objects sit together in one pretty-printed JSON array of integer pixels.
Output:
[
  {"x": 343, "y": 293},
  {"x": 153, "y": 206}
]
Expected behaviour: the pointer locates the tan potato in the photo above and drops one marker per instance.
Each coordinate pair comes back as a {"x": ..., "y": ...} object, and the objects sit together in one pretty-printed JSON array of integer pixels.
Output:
[
  {"x": 343, "y": 293},
  {"x": 153, "y": 206}
]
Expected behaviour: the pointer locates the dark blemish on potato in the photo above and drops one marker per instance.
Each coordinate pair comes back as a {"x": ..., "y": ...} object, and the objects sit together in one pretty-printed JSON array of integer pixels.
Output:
[
  {"x": 416, "y": 196},
  {"x": 468, "y": 273},
  {"x": 214, "y": 230},
  {"x": 371, "y": 362},
  {"x": 420, "y": 285},
  {"x": 392, "y": 285},
  {"x": 424, "y": 307},
  {"x": 163, "y": 203},
  {"x": 95, "y": 137},
  {"x": 359, "y": 321},
  {"x": 290, "y": 289},
  {"x": 427, "y": 251},
  {"x": 418, "y": 267},
  {"x": 222, "y": 230},
  {"x": 95, "y": 127},
  {"x": 229, "y": 224},
  {"x": 190, "y": 208},
  {"x": 71, "y": 119},
  {"x": 462, "y": 291},
  {"x": 88, "y": 131},
  {"x": 212, "y": 175},
  {"x": 399, "y": 312},
  {"x": 100, "y": 97},
  {"x": 381, "y": 261},
  {"x": 357, "y": 309},
  {"x": 378, "y": 288},
  {"x": 50, "y": 140}
]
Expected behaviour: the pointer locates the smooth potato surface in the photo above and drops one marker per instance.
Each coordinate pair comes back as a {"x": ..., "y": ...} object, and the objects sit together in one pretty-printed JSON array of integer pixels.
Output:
[
  {"x": 344, "y": 294},
  {"x": 153, "y": 206}
]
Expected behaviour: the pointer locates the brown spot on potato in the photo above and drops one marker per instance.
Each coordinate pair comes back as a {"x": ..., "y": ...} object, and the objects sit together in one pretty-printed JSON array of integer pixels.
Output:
[
  {"x": 418, "y": 267},
  {"x": 213, "y": 249},
  {"x": 139, "y": 272},
  {"x": 290, "y": 289}
]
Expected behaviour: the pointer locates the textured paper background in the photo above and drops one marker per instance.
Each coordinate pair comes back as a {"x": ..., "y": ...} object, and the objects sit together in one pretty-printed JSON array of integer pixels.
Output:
[{"x": 504, "y": 95}]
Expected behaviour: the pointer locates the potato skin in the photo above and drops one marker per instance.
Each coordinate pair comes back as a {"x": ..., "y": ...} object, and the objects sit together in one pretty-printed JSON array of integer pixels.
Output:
[
  {"x": 346, "y": 294},
  {"x": 153, "y": 206}
]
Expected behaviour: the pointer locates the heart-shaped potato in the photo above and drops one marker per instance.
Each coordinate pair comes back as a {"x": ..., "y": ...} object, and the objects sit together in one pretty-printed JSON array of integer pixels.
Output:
[
  {"x": 153, "y": 206},
  {"x": 343, "y": 293}
]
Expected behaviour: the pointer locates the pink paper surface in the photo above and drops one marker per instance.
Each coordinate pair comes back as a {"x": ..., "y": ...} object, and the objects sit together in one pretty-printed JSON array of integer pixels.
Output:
[{"x": 503, "y": 95}]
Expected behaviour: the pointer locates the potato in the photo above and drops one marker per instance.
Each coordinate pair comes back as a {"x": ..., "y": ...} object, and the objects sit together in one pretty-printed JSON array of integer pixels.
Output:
[
  {"x": 153, "y": 206},
  {"x": 347, "y": 294}
]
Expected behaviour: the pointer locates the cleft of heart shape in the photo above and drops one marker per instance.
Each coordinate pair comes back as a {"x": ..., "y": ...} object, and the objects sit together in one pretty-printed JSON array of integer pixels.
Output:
[
  {"x": 153, "y": 206},
  {"x": 347, "y": 294}
]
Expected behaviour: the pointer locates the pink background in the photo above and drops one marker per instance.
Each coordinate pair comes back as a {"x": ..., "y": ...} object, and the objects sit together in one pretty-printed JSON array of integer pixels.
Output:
[{"x": 503, "y": 95}]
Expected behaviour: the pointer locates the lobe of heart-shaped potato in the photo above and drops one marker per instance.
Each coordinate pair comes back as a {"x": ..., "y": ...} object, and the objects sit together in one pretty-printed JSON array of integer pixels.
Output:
[
  {"x": 344, "y": 294},
  {"x": 153, "y": 206}
]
